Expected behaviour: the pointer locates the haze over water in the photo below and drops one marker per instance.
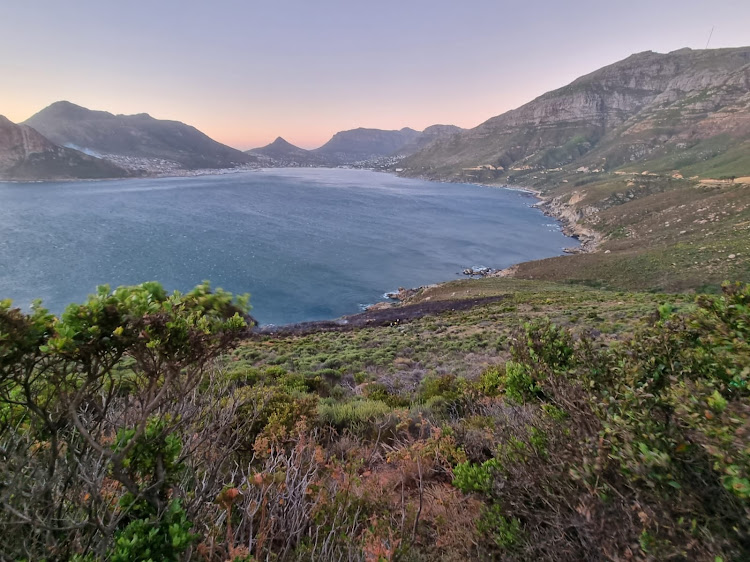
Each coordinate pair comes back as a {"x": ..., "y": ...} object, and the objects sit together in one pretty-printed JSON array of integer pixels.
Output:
[{"x": 306, "y": 243}]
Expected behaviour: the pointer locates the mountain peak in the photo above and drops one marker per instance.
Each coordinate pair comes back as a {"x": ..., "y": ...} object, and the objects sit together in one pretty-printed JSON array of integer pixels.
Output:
[
  {"x": 65, "y": 109},
  {"x": 285, "y": 153}
]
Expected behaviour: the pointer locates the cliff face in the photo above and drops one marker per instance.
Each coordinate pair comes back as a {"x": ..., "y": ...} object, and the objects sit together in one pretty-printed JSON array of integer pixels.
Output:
[
  {"x": 621, "y": 113},
  {"x": 27, "y": 155},
  {"x": 133, "y": 136}
]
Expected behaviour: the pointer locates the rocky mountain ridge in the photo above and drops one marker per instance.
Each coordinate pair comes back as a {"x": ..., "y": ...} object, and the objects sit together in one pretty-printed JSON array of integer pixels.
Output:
[{"x": 644, "y": 107}]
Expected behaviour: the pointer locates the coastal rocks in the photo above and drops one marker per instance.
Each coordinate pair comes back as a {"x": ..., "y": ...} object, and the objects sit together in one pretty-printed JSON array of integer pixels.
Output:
[
  {"x": 401, "y": 294},
  {"x": 571, "y": 216},
  {"x": 479, "y": 271},
  {"x": 507, "y": 272},
  {"x": 380, "y": 306}
]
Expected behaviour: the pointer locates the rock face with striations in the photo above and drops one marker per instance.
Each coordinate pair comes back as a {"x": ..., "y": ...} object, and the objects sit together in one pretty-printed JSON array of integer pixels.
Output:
[
  {"x": 27, "y": 155},
  {"x": 133, "y": 136},
  {"x": 640, "y": 108}
]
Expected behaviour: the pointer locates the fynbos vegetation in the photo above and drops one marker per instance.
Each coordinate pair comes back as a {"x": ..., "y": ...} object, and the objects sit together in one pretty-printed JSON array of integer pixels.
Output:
[{"x": 139, "y": 427}]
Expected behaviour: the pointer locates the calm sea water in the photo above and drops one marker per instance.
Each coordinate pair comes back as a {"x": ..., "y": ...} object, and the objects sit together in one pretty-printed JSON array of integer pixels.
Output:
[{"x": 306, "y": 243}]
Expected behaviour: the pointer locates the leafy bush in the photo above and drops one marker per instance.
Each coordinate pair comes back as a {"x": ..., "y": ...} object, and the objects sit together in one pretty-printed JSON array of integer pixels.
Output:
[
  {"x": 505, "y": 532},
  {"x": 518, "y": 384},
  {"x": 351, "y": 414},
  {"x": 163, "y": 538},
  {"x": 469, "y": 477},
  {"x": 491, "y": 380}
]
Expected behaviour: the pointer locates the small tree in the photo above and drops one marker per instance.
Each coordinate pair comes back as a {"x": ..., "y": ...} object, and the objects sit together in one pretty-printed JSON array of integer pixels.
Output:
[{"x": 100, "y": 412}]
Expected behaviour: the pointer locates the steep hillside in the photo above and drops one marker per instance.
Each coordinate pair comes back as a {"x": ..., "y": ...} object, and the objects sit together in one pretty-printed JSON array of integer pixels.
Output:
[
  {"x": 135, "y": 140},
  {"x": 27, "y": 155},
  {"x": 682, "y": 107},
  {"x": 364, "y": 144}
]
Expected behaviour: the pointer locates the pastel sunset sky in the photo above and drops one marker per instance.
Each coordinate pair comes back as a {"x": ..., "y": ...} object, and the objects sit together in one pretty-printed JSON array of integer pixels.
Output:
[{"x": 245, "y": 71}]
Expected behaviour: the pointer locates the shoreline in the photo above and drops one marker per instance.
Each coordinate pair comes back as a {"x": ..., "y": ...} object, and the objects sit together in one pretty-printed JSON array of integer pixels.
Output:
[
  {"x": 551, "y": 207},
  {"x": 589, "y": 240}
]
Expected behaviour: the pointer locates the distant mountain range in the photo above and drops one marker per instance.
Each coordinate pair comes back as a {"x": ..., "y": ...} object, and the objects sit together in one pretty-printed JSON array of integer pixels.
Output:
[
  {"x": 27, "y": 155},
  {"x": 687, "y": 111},
  {"x": 354, "y": 146}
]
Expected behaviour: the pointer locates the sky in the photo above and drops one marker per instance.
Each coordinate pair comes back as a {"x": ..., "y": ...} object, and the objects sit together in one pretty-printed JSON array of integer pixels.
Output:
[{"x": 246, "y": 71}]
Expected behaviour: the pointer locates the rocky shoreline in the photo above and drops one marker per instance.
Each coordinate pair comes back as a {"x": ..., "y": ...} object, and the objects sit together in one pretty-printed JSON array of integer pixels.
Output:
[
  {"x": 570, "y": 218},
  {"x": 564, "y": 212}
]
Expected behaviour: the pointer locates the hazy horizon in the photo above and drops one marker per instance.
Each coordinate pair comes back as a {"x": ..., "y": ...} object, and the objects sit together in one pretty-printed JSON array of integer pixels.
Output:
[{"x": 247, "y": 73}]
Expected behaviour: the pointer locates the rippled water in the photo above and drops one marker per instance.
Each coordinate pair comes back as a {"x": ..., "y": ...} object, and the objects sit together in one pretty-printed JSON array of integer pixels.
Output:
[{"x": 306, "y": 243}]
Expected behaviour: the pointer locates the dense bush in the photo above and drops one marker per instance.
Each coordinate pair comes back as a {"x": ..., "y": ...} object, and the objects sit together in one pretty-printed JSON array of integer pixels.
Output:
[{"x": 640, "y": 443}]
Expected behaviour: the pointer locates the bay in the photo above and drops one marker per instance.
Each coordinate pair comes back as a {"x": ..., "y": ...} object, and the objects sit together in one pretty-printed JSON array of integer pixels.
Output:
[{"x": 307, "y": 243}]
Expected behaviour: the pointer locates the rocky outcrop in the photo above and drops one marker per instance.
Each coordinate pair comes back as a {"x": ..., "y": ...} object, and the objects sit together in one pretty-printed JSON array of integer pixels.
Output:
[
  {"x": 27, "y": 155},
  {"x": 573, "y": 218}
]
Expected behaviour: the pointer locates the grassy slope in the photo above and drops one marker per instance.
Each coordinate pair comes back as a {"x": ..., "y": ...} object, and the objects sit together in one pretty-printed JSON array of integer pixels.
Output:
[
  {"x": 659, "y": 234},
  {"x": 394, "y": 394},
  {"x": 460, "y": 343}
]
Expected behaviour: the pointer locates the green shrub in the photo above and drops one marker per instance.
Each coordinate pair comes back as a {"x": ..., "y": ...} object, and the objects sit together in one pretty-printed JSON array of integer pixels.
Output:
[
  {"x": 448, "y": 387},
  {"x": 518, "y": 385},
  {"x": 504, "y": 531},
  {"x": 154, "y": 538},
  {"x": 349, "y": 414},
  {"x": 491, "y": 380},
  {"x": 469, "y": 477}
]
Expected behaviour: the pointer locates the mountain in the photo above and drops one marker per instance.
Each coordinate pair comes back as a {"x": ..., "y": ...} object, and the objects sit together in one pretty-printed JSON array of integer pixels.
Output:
[
  {"x": 283, "y": 153},
  {"x": 677, "y": 110},
  {"x": 135, "y": 140},
  {"x": 27, "y": 155},
  {"x": 428, "y": 136},
  {"x": 364, "y": 144}
]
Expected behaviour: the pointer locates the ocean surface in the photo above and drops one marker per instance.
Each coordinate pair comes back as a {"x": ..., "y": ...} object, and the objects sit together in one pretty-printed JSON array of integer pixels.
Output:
[{"x": 307, "y": 244}]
